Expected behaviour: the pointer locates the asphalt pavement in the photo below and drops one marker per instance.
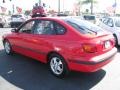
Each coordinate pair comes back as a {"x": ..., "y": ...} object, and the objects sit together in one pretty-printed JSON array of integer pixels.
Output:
[{"x": 18, "y": 72}]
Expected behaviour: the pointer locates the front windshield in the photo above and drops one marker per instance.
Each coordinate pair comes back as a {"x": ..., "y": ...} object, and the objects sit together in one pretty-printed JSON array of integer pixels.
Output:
[
  {"x": 84, "y": 27},
  {"x": 117, "y": 23}
]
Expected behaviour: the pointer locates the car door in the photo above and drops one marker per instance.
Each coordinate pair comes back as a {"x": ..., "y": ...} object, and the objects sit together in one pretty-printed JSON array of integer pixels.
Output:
[
  {"x": 23, "y": 38},
  {"x": 46, "y": 35},
  {"x": 42, "y": 38}
]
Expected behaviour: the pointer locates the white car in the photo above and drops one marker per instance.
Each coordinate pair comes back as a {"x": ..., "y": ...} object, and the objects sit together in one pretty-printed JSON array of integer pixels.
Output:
[
  {"x": 17, "y": 20},
  {"x": 2, "y": 21},
  {"x": 7, "y": 21},
  {"x": 112, "y": 24}
]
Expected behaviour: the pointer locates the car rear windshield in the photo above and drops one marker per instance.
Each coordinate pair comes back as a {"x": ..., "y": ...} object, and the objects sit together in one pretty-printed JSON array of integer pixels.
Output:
[
  {"x": 16, "y": 16},
  {"x": 89, "y": 17},
  {"x": 84, "y": 27}
]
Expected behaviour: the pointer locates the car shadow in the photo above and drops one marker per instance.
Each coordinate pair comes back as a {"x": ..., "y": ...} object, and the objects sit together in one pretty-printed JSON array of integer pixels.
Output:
[{"x": 30, "y": 74}]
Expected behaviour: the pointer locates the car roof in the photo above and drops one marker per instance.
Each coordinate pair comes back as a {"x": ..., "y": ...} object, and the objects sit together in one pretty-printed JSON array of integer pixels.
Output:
[
  {"x": 57, "y": 18},
  {"x": 61, "y": 19},
  {"x": 53, "y": 18}
]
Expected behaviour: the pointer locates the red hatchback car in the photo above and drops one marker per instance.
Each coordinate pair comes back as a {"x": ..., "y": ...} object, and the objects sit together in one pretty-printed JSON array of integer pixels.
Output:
[{"x": 66, "y": 44}]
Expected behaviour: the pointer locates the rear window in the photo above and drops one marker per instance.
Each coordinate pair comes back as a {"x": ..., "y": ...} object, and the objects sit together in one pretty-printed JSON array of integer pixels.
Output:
[
  {"x": 89, "y": 17},
  {"x": 84, "y": 27},
  {"x": 16, "y": 16}
]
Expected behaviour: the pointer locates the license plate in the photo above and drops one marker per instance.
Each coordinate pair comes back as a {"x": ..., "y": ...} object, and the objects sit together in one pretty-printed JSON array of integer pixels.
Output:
[{"x": 107, "y": 44}]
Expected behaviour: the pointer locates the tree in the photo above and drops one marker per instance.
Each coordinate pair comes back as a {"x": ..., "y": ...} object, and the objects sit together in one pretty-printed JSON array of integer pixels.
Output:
[
  {"x": 91, "y": 2},
  {"x": 4, "y": 1}
]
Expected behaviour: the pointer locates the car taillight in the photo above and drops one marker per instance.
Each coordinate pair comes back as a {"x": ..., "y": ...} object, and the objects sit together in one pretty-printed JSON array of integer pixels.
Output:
[{"x": 89, "y": 48}]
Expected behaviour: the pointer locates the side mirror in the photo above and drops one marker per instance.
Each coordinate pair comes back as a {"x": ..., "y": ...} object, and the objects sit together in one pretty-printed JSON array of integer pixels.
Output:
[{"x": 14, "y": 30}]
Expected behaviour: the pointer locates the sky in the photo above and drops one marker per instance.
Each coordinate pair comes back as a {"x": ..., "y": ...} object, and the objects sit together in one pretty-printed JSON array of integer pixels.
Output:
[
  {"x": 53, "y": 4},
  {"x": 27, "y": 4}
]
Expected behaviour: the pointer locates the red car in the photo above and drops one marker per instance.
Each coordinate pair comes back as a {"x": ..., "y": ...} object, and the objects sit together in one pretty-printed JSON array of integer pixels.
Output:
[{"x": 66, "y": 44}]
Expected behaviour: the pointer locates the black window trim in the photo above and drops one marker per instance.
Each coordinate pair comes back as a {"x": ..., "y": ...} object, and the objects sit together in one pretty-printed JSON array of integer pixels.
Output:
[{"x": 60, "y": 25}]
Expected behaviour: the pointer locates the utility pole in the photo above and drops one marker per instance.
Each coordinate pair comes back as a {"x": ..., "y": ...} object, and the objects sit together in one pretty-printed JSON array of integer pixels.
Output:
[
  {"x": 13, "y": 8},
  {"x": 115, "y": 7},
  {"x": 58, "y": 6},
  {"x": 63, "y": 6},
  {"x": 39, "y": 2},
  {"x": 91, "y": 6}
]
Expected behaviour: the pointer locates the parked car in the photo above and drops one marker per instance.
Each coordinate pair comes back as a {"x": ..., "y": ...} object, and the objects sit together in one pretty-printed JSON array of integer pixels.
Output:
[
  {"x": 7, "y": 21},
  {"x": 66, "y": 44},
  {"x": 2, "y": 22},
  {"x": 17, "y": 20},
  {"x": 112, "y": 24}
]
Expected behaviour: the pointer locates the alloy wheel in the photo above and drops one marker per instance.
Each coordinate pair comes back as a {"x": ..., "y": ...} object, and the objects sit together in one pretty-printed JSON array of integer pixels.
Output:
[{"x": 56, "y": 65}]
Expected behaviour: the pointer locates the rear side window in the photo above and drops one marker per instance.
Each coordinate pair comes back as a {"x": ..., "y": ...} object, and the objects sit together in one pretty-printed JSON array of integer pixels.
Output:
[
  {"x": 60, "y": 30},
  {"x": 105, "y": 21},
  {"x": 45, "y": 27},
  {"x": 110, "y": 22}
]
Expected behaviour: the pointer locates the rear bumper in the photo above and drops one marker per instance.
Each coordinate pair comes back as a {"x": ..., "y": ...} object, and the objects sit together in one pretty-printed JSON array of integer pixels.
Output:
[{"x": 94, "y": 63}]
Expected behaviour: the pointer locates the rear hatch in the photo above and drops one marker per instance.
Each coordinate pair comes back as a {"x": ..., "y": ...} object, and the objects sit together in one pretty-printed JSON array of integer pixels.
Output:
[
  {"x": 102, "y": 41},
  {"x": 96, "y": 40}
]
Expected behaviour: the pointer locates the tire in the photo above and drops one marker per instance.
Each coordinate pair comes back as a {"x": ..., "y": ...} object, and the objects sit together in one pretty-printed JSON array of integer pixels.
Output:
[
  {"x": 58, "y": 66},
  {"x": 7, "y": 47},
  {"x": 116, "y": 40}
]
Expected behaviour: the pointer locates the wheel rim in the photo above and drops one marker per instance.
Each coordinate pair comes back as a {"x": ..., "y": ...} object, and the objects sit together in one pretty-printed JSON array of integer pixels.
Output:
[
  {"x": 7, "y": 47},
  {"x": 56, "y": 65}
]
